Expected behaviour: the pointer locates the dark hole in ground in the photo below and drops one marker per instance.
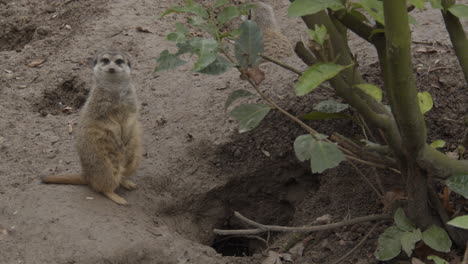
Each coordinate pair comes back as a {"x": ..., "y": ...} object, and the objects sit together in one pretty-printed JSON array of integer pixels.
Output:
[
  {"x": 68, "y": 97},
  {"x": 233, "y": 246},
  {"x": 13, "y": 37}
]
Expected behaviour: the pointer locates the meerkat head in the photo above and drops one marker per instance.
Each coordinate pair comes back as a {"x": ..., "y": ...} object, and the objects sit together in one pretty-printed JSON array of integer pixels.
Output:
[
  {"x": 112, "y": 64},
  {"x": 264, "y": 15}
]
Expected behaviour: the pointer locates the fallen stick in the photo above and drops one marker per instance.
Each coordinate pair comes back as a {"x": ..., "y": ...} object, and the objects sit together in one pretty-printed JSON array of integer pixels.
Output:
[{"x": 260, "y": 228}]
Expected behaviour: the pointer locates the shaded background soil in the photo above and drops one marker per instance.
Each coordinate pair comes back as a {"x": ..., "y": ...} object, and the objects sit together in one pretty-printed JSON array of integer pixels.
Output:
[{"x": 197, "y": 169}]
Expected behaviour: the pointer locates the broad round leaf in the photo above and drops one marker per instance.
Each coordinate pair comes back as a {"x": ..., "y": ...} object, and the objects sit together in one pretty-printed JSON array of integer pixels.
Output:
[
  {"x": 409, "y": 240},
  {"x": 436, "y": 4},
  {"x": 372, "y": 90},
  {"x": 437, "y": 238},
  {"x": 459, "y": 184},
  {"x": 308, "y": 7},
  {"x": 425, "y": 102},
  {"x": 236, "y": 95},
  {"x": 437, "y": 260},
  {"x": 417, "y": 3},
  {"x": 228, "y": 14},
  {"x": 220, "y": 65},
  {"x": 250, "y": 115},
  {"x": 167, "y": 61},
  {"x": 303, "y": 146},
  {"x": 459, "y": 10},
  {"x": 375, "y": 9},
  {"x": 249, "y": 45},
  {"x": 438, "y": 144},
  {"x": 460, "y": 222},
  {"x": 206, "y": 49},
  {"x": 389, "y": 244},
  {"x": 330, "y": 106},
  {"x": 220, "y": 3},
  {"x": 189, "y": 7},
  {"x": 402, "y": 222},
  {"x": 324, "y": 155},
  {"x": 315, "y": 75}
]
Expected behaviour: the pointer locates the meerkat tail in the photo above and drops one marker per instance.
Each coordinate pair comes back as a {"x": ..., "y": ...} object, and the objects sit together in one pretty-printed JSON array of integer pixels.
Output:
[{"x": 64, "y": 179}]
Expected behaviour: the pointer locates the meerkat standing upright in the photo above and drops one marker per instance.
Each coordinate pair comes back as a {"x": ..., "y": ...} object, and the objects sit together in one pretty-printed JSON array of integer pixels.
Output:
[
  {"x": 109, "y": 136},
  {"x": 276, "y": 44}
]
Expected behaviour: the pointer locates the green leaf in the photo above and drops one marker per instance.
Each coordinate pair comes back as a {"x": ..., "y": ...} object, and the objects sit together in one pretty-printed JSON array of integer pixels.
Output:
[
  {"x": 167, "y": 61},
  {"x": 308, "y": 7},
  {"x": 460, "y": 222},
  {"x": 402, "y": 222},
  {"x": 417, "y": 3},
  {"x": 371, "y": 90},
  {"x": 236, "y": 95},
  {"x": 179, "y": 35},
  {"x": 220, "y": 65},
  {"x": 330, "y": 106},
  {"x": 459, "y": 10},
  {"x": 322, "y": 115},
  {"x": 319, "y": 34},
  {"x": 437, "y": 260},
  {"x": 303, "y": 146},
  {"x": 360, "y": 16},
  {"x": 220, "y": 3},
  {"x": 389, "y": 244},
  {"x": 202, "y": 24},
  {"x": 375, "y": 9},
  {"x": 437, "y": 238},
  {"x": 459, "y": 184},
  {"x": 409, "y": 240},
  {"x": 438, "y": 144},
  {"x": 425, "y": 102},
  {"x": 436, "y": 4},
  {"x": 206, "y": 49},
  {"x": 315, "y": 75},
  {"x": 227, "y": 14},
  {"x": 250, "y": 115},
  {"x": 249, "y": 45},
  {"x": 325, "y": 155},
  {"x": 189, "y": 7}
]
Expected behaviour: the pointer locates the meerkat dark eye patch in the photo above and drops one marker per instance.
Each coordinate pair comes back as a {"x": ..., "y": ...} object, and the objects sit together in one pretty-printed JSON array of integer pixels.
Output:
[
  {"x": 119, "y": 62},
  {"x": 105, "y": 61}
]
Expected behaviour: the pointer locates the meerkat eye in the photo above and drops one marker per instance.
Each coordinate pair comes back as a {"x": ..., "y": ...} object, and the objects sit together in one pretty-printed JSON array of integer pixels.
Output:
[
  {"x": 119, "y": 62},
  {"x": 105, "y": 61}
]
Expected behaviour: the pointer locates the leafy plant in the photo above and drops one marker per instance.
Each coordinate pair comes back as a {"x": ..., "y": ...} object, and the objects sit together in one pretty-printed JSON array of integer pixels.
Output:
[{"x": 400, "y": 124}]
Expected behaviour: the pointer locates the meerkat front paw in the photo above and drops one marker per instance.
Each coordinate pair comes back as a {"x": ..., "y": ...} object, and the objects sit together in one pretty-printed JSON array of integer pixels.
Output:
[
  {"x": 129, "y": 185},
  {"x": 116, "y": 198}
]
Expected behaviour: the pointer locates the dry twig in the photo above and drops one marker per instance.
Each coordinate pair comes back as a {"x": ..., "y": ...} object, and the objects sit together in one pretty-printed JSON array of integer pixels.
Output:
[
  {"x": 356, "y": 247},
  {"x": 260, "y": 228}
]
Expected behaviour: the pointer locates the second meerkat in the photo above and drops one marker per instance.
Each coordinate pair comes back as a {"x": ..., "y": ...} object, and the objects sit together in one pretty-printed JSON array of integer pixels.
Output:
[{"x": 109, "y": 135}]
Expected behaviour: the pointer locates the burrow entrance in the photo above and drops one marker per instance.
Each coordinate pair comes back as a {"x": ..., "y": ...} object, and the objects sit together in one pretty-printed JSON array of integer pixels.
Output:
[
  {"x": 66, "y": 98},
  {"x": 268, "y": 197},
  {"x": 14, "y": 37}
]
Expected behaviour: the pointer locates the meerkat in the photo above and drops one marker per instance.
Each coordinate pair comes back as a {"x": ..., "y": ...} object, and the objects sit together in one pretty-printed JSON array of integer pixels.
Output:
[
  {"x": 108, "y": 137},
  {"x": 276, "y": 45}
]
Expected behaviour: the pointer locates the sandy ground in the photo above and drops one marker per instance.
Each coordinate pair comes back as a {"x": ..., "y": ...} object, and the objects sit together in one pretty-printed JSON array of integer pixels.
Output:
[{"x": 197, "y": 169}]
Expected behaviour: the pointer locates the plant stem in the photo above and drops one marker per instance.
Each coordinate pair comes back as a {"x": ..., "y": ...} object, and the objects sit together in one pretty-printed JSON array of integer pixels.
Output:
[
  {"x": 457, "y": 36},
  {"x": 281, "y": 64}
]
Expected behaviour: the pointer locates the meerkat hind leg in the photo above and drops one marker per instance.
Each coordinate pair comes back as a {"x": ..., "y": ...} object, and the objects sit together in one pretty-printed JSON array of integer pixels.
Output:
[
  {"x": 128, "y": 184},
  {"x": 116, "y": 198}
]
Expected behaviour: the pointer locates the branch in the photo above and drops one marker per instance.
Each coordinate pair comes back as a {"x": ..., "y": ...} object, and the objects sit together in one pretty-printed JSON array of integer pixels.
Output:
[
  {"x": 260, "y": 228},
  {"x": 354, "y": 24},
  {"x": 281, "y": 64},
  {"x": 457, "y": 36},
  {"x": 403, "y": 97},
  {"x": 439, "y": 164}
]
